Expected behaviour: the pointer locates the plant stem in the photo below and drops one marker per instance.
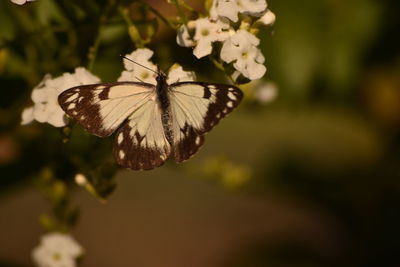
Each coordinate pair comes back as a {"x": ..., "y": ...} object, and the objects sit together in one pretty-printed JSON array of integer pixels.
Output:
[
  {"x": 216, "y": 63},
  {"x": 159, "y": 15},
  {"x": 92, "y": 54},
  {"x": 182, "y": 14},
  {"x": 132, "y": 30},
  {"x": 94, "y": 48},
  {"x": 187, "y": 6}
]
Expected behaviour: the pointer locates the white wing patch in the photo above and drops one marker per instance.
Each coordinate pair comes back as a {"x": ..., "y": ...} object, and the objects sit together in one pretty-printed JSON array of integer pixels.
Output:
[
  {"x": 188, "y": 106},
  {"x": 141, "y": 143},
  {"x": 114, "y": 111}
]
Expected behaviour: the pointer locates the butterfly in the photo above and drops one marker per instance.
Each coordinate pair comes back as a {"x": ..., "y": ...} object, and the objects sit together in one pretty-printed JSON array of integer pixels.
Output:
[{"x": 152, "y": 122}]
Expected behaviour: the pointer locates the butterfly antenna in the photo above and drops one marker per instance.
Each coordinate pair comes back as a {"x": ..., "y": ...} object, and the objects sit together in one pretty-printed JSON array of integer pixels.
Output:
[
  {"x": 139, "y": 64},
  {"x": 139, "y": 79}
]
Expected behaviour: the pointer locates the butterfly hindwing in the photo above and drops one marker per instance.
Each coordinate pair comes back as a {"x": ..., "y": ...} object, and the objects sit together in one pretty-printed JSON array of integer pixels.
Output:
[
  {"x": 195, "y": 109},
  {"x": 141, "y": 144},
  {"x": 101, "y": 108}
]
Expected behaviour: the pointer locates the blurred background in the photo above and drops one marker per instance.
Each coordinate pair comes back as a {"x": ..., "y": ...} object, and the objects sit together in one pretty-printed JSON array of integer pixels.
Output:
[{"x": 310, "y": 179}]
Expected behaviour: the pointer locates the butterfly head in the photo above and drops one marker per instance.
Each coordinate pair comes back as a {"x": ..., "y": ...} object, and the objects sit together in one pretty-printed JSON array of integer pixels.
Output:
[{"x": 161, "y": 76}]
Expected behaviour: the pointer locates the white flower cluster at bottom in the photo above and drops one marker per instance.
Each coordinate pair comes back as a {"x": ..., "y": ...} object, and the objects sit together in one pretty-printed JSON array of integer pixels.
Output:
[{"x": 57, "y": 250}]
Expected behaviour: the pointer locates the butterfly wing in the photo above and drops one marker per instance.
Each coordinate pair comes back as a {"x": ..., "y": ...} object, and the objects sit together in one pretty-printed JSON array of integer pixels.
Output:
[
  {"x": 195, "y": 109},
  {"x": 140, "y": 143},
  {"x": 101, "y": 108}
]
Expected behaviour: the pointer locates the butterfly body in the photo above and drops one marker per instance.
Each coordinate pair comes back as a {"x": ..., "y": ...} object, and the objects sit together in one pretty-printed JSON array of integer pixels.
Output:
[
  {"x": 163, "y": 99},
  {"x": 152, "y": 122}
]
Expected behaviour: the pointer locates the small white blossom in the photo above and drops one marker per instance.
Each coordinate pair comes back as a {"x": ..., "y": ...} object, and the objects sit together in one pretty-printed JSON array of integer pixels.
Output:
[
  {"x": 265, "y": 92},
  {"x": 142, "y": 56},
  {"x": 57, "y": 250},
  {"x": 231, "y": 8},
  {"x": 206, "y": 32},
  {"x": 27, "y": 115},
  {"x": 45, "y": 97},
  {"x": 80, "y": 179},
  {"x": 183, "y": 37},
  {"x": 21, "y": 2},
  {"x": 177, "y": 74},
  {"x": 267, "y": 19},
  {"x": 135, "y": 72},
  {"x": 241, "y": 48}
]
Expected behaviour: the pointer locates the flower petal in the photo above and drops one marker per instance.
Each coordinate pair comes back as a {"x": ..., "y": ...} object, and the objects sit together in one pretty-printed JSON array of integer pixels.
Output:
[
  {"x": 141, "y": 56},
  {"x": 177, "y": 74},
  {"x": 228, "y": 51},
  {"x": 40, "y": 112},
  {"x": 83, "y": 76},
  {"x": 267, "y": 19},
  {"x": 183, "y": 37},
  {"x": 203, "y": 48},
  {"x": 27, "y": 116},
  {"x": 57, "y": 117},
  {"x": 229, "y": 9},
  {"x": 252, "y": 7}
]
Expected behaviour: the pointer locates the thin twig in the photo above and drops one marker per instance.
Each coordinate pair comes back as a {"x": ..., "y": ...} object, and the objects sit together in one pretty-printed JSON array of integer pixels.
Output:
[
  {"x": 159, "y": 15},
  {"x": 92, "y": 54},
  {"x": 183, "y": 3},
  {"x": 182, "y": 14}
]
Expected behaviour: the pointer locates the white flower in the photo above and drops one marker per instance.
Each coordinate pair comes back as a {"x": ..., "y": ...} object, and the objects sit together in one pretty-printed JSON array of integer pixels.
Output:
[
  {"x": 206, "y": 32},
  {"x": 45, "y": 97},
  {"x": 27, "y": 115},
  {"x": 183, "y": 37},
  {"x": 177, "y": 74},
  {"x": 268, "y": 18},
  {"x": 57, "y": 250},
  {"x": 142, "y": 56},
  {"x": 80, "y": 179},
  {"x": 241, "y": 48},
  {"x": 265, "y": 92},
  {"x": 21, "y": 2},
  {"x": 231, "y": 8},
  {"x": 138, "y": 73}
]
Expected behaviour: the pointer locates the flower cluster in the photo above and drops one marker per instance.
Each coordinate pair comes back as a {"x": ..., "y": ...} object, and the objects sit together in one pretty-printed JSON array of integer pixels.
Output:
[
  {"x": 147, "y": 72},
  {"x": 45, "y": 97},
  {"x": 57, "y": 249},
  {"x": 234, "y": 24}
]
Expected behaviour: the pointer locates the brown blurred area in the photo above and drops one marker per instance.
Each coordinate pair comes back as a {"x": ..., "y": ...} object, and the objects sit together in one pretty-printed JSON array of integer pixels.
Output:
[{"x": 166, "y": 219}]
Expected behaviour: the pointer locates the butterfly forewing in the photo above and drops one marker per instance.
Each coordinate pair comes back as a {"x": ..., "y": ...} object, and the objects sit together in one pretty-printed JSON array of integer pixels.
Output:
[
  {"x": 195, "y": 109},
  {"x": 101, "y": 108}
]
